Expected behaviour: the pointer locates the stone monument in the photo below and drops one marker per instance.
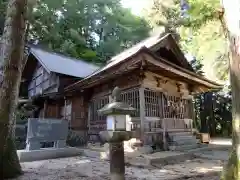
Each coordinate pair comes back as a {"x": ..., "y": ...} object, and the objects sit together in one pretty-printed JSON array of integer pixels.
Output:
[
  {"x": 43, "y": 131},
  {"x": 46, "y": 130}
]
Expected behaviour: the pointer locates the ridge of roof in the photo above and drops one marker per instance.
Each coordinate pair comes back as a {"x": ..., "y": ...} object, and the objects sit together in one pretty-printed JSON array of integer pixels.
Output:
[
  {"x": 147, "y": 43},
  {"x": 121, "y": 57}
]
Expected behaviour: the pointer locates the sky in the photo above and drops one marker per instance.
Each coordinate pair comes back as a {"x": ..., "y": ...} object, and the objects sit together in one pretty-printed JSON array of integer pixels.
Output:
[{"x": 135, "y": 5}]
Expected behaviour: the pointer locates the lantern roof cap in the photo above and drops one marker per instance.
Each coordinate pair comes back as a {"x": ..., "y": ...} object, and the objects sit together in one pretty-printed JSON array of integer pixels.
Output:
[{"x": 117, "y": 108}]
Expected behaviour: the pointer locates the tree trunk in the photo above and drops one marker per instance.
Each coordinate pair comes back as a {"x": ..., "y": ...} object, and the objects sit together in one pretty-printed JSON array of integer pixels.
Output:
[
  {"x": 12, "y": 51},
  {"x": 232, "y": 171},
  {"x": 232, "y": 29}
]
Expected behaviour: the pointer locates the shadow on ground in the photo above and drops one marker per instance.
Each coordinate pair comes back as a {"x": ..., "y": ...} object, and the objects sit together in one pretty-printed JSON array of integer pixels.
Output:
[{"x": 202, "y": 176}]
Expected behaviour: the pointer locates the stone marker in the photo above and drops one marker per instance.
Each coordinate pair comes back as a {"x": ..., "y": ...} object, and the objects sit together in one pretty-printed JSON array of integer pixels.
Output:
[{"x": 46, "y": 130}]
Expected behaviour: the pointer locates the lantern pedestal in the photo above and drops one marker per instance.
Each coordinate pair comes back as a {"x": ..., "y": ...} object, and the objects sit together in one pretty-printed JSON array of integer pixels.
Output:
[{"x": 116, "y": 152}]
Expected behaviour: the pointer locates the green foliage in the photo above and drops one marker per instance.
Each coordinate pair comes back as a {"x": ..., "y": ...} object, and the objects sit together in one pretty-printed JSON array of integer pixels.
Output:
[
  {"x": 201, "y": 32},
  {"x": 93, "y": 30},
  {"x": 3, "y": 4},
  {"x": 201, "y": 12},
  {"x": 210, "y": 47},
  {"x": 75, "y": 140},
  {"x": 232, "y": 167}
]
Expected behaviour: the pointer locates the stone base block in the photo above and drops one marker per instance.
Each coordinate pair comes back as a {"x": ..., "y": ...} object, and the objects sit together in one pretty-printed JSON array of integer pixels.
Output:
[
  {"x": 145, "y": 150},
  {"x": 204, "y": 137},
  {"x": 47, "y": 153}
]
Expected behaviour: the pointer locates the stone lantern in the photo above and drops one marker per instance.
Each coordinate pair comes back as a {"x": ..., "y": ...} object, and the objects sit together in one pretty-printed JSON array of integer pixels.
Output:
[{"x": 118, "y": 115}]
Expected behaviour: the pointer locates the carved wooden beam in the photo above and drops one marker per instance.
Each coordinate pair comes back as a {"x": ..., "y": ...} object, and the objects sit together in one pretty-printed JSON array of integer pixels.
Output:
[{"x": 160, "y": 81}]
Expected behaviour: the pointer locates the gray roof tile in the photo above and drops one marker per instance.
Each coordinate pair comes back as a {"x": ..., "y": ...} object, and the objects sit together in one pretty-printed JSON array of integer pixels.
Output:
[{"x": 58, "y": 63}]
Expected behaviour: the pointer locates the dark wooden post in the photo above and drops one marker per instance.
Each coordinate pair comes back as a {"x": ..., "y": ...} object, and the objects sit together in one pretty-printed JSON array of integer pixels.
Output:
[
  {"x": 142, "y": 111},
  {"x": 44, "y": 109}
]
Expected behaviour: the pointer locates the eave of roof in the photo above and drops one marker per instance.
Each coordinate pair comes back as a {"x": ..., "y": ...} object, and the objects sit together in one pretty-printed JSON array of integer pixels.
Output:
[
  {"x": 101, "y": 71},
  {"x": 168, "y": 66},
  {"x": 179, "y": 70},
  {"x": 129, "y": 53},
  {"x": 123, "y": 56}
]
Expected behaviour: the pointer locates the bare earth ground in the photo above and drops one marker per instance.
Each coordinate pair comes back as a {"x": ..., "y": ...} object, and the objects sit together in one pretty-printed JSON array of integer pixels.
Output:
[{"x": 85, "y": 168}]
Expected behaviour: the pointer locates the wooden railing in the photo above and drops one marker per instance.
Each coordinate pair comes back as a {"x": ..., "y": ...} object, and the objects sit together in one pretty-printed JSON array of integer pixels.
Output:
[
  {"x": 156, "y": 124},
  {"x": 181, "y": 124}
]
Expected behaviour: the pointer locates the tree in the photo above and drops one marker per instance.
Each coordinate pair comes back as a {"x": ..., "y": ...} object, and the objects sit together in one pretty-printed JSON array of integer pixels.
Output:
[
  {"x": 12, "y": 52},
  {"x": 230, "y": 23},
  {"x": 2, "y": 14},
  {"x": 199, "y": 28},
  {"x": 92, "y": 30}
]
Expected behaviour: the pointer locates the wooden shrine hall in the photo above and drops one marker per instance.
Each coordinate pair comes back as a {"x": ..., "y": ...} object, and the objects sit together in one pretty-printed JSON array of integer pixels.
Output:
[{"x": 155, "y": 79}]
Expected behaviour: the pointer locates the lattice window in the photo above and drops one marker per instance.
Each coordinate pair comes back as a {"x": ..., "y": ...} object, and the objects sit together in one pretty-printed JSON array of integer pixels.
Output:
[
  {"x": 97, "y": 104},
  {"x": 188, "y": 113},
  {"x": 174, "y": 107},
  {"x": 152, "y": 103},
  {"x": 131, "y": 97}
]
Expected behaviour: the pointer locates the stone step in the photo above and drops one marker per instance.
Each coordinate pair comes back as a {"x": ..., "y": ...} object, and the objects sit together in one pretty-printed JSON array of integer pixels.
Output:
[
  {"x": 184, "y": 147},
  {"x": 176, "y": 138},
  {"x": 180, "y": 133},
  {"x": 184, "y": 140},
  {"x": 184, "y": 143}
]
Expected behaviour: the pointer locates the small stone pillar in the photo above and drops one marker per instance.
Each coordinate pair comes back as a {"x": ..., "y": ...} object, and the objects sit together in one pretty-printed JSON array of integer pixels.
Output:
[{"x": 117, "y": 114}]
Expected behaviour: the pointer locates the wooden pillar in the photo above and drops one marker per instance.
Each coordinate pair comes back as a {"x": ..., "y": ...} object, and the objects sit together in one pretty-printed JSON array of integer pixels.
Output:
[
  {"x": 165, "y": 145},
  {"x": 57, "y": 110},
  {"x": 44, "y": 109},
  {"x": 89, "y": 116},
  {"x": 142, "y": 111},
  {"x": 65, "y": 108},
  {"x": 193, "y": 114}
]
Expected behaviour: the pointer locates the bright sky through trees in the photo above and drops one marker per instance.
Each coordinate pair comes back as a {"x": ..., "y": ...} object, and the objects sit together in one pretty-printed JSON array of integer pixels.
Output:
[{"x": 135, "y": 5}]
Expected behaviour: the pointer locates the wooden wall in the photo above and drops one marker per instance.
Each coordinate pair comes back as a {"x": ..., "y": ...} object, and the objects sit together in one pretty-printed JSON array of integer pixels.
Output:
[
  {"x": 125, "y": 81},
  {"x": 41, "y": 81},
  {"x": 79, "y": 113},
  {"x": 160, "y": 83},
  {"x": 52, "y": 111}
]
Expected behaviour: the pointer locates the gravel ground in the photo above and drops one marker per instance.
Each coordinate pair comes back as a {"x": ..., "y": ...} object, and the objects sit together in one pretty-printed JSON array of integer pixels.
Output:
[{"x": 86, "y": 168}]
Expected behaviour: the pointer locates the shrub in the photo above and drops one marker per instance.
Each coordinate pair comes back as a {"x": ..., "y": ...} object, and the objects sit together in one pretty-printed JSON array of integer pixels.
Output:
[{"x": 75, "y": 140}]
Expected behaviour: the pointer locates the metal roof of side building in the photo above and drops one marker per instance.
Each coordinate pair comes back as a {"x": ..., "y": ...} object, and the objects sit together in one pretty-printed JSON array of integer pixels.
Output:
[{"x": 61, "y": 64}]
